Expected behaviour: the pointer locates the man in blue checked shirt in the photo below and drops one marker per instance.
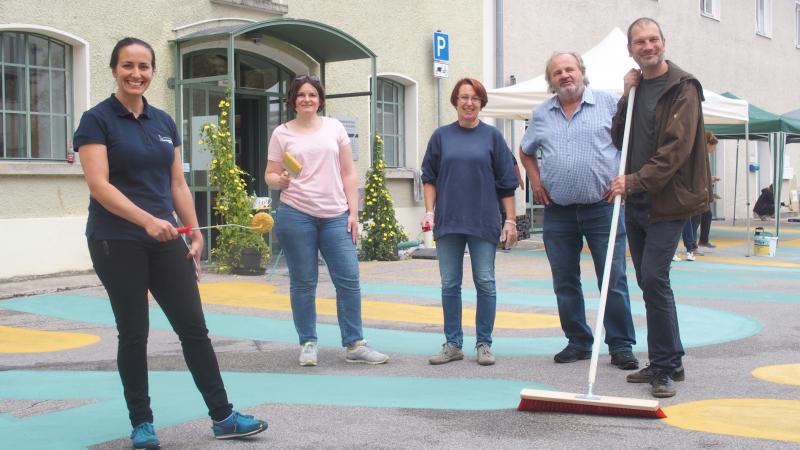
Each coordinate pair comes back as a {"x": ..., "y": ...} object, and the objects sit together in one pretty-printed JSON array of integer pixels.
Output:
[{"x": 578, "y": 161}]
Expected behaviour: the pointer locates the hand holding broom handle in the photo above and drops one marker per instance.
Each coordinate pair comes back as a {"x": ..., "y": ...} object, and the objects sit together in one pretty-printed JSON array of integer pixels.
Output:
[{"x": 612, "y": 238}]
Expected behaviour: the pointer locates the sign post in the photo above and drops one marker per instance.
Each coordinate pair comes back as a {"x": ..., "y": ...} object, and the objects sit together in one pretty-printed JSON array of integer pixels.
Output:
[{"x": 441, "y": 65}]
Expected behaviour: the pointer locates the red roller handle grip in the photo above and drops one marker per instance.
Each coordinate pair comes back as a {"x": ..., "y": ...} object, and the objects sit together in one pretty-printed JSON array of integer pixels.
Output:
[{"x": 184, "y": 230}]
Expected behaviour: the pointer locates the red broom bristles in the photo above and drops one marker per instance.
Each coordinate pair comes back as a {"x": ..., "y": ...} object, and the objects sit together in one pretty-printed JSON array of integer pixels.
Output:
[{"x": 545, "y": 406}]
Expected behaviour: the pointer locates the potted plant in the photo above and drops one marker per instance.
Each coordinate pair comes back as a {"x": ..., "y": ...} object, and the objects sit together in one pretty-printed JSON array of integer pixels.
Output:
[{"x": 236, "y": 249}]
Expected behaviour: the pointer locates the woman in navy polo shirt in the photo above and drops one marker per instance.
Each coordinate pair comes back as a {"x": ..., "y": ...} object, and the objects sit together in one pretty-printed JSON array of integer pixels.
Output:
[{"x": 132, "y": 163}]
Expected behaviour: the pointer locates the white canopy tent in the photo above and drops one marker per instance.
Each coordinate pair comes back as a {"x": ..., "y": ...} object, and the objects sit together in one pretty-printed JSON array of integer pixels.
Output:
[{"x": 606, "y": 65}]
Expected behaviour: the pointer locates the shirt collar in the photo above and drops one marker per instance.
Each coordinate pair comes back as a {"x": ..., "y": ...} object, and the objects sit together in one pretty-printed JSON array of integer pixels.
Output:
[
  {"x": 122, "y": 111},
  {"x": 587, "y": 97}
]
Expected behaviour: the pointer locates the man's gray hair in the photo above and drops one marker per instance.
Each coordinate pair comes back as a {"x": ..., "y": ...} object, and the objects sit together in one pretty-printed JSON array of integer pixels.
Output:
[{"x": 581, "y": 66}]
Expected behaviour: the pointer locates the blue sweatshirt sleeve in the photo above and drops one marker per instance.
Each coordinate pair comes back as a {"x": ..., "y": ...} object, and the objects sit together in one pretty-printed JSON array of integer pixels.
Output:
[
  {"x": 431, "y": 160},
  {"x": 503, "y": 165}
]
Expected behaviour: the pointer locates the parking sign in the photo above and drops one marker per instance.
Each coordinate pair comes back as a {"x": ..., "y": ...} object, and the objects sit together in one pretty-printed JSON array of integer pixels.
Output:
[{"x": 441, "y": 47}]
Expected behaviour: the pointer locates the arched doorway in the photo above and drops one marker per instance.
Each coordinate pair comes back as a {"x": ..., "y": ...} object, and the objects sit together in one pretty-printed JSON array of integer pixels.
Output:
[{"x": 214, "y": 61}]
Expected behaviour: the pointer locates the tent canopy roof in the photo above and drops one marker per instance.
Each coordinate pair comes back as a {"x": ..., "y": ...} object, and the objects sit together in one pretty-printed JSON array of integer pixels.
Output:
[
  {"x": 762, "y": 123},
  {"x": 606, "y": 66}
]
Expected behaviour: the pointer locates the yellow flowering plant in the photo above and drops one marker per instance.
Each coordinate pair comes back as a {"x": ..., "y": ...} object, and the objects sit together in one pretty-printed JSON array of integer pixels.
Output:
[
  {"x": 232, "y": 205},
  {"x": 379, "y": 228}
]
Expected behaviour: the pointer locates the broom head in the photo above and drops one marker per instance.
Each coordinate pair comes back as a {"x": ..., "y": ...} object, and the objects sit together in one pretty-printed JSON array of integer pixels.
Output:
[{"x": 565, "y": 402}]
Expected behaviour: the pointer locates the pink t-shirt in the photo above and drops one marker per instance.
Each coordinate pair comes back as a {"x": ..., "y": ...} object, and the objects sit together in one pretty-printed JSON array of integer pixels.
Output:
[{"x": 318, "y": 190}]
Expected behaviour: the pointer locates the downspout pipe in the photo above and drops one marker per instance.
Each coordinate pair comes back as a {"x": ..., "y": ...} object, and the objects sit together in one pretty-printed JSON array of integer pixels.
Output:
[{"x": 499, "y": 79}]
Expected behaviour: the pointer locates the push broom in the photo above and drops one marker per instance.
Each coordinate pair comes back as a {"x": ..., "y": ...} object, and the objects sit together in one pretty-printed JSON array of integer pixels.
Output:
[{"x": 589, "y": 403}]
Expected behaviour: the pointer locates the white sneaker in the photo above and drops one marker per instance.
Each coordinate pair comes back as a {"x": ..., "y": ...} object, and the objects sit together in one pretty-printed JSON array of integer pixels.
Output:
[
  {"x": 308, "y": 355},
  {"x": 360, "y": 352},
  {"x": 485, "y": 356},
  {"x": 676, "y": 258},
  {"x": 690, "y": 256}
]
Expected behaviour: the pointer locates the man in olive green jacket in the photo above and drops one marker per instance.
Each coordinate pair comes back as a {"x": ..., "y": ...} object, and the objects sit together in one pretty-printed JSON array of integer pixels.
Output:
[{"x": 667, "y": 181}]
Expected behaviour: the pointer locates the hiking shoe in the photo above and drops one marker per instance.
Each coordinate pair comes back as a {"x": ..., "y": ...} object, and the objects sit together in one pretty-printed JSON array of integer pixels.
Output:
[
  {"x": 237, "y": 425},
  {"x": 625, "y": 360},
  {"x": 676, "y": 258},
  {"x": 662, "y": 385},
  {"x": 360, "y": 352},
  {"x": 485, "y": 356},
  {"x": 646, "y": 375},
  {"x": 143, "y": 436},
  {"x": 308, "y": 354},
  {"x": 449, "y": 353},
  {"x": 571, "y": 354},
  {"x": 706, "y": 244},
  {"x": 690, "y": 256}
]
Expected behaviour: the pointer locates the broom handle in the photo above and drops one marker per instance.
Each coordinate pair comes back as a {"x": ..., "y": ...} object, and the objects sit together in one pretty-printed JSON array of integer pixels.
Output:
[{"x": 612, "y": 238}]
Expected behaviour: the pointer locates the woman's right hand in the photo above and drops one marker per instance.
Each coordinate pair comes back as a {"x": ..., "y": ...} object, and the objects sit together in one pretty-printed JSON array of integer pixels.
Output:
[
  {"x": 427, "y": 219},
  {"x": 283, "y": 180},
  {"x": 161, "y": 230}
]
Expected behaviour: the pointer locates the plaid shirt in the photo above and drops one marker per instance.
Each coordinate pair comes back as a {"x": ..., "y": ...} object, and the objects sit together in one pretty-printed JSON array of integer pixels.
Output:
[{"x": 578, "y": 157}]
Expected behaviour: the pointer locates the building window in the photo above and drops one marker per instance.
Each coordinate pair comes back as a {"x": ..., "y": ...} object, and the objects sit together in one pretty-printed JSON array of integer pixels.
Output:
[
  {"x": 764, "y": 18},
  {"x": 710, "y": 8},
  {"x": 797, "y": 25},
  {"x": 390, "y": 121},
  {"x": 35, "y": 96}
]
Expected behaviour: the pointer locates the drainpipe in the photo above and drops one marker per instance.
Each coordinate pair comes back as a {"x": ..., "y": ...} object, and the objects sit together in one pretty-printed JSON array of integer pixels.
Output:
[{"x": 498, "y": 52}]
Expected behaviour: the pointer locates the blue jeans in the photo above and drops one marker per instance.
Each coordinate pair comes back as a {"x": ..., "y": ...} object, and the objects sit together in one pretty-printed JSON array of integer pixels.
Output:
[
  {"x": 565, "y": 228},
  {"x": 652, "y": 247},
  {"x": 301, "y": 235},
  {"x": 450, "y": 251}
]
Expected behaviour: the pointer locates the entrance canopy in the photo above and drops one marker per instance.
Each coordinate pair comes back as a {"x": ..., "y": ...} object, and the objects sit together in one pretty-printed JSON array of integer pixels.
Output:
[
  {"x": 606, "y": 66},
  {"x": 323, "y": 43}
]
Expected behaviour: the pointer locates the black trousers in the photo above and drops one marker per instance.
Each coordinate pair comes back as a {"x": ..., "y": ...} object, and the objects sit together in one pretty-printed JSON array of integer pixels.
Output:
[
  {"x": 704, "y": 221},
  {"x": 652, "y": 247},
  {"x": 128, "y": 270}
]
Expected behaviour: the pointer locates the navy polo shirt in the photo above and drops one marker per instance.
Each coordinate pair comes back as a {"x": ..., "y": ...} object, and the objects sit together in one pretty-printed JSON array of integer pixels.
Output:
[{"x": 140, "y": 156}]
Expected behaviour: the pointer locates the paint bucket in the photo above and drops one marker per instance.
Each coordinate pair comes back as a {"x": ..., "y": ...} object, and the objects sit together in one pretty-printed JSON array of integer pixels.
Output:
[{"x": 765, "y": 246}]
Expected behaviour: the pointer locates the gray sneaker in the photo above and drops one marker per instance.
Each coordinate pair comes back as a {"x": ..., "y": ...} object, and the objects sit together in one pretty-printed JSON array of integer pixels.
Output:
[
  {"x": 485, "y": 356},
  {"x": 360, "y": 352},
  {"x": 308, "y": 355},
  {"x": 449, "y": 353}
]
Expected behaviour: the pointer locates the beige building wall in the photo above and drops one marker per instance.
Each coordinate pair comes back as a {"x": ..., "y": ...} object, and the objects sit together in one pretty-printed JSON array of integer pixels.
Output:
[
  {"x": 724, "y": 53},
  {"x": 35, "y": 193}
]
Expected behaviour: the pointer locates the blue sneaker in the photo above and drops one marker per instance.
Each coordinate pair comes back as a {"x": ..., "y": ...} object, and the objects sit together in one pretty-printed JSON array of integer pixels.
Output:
[
  {"x": 144, "y": 437},
  {"x": 238, "y": 425}
]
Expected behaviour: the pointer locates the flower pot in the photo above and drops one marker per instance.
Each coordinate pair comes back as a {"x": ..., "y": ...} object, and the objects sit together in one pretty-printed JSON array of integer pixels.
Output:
[{"x": 249, "y": 262}]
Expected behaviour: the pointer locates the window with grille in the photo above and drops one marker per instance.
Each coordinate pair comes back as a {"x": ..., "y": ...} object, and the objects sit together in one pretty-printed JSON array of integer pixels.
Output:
[
  {"x": 390, "y": 123},
  {"x": 35, "y": 96}
]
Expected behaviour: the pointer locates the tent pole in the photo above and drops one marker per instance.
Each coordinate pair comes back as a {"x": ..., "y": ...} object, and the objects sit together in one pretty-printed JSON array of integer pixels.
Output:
[
  {"x": 735, "y": 180},
  {"x": 748, "y": 213}
]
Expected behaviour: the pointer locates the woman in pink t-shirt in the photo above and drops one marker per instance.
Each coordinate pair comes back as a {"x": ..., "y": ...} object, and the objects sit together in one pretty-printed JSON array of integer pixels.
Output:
[{"x": 318, "y": 212}]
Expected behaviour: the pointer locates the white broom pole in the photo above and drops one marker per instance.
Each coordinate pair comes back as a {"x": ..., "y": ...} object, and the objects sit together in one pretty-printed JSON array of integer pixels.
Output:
[{"x": 612, "y": 238}]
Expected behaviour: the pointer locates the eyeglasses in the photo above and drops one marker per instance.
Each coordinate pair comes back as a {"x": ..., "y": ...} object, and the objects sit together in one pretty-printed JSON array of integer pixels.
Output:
[
  {"x": 468, "y": 99},
  {"x": 305, "y": 77}
]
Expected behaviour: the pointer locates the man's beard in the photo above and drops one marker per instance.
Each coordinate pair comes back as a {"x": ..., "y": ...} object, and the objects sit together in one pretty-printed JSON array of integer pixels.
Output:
[{"x": 570, "y": 92}]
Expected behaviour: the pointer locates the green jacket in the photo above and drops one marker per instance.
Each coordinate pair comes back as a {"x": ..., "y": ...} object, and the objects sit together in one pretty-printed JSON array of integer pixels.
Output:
[{"x": 677, "y": 177}]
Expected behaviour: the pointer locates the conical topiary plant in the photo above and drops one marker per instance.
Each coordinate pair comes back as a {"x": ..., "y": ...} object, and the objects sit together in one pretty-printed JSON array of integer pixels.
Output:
[{"x": 380, "y": 231}]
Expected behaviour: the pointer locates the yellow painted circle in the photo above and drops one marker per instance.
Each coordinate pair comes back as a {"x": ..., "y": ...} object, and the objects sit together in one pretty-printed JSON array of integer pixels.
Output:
[
  {"x": 24, "y": 340},
  {"x": 747, "y": 417},
  {"x": 264, "y": 296},
  {"x": 781, "y": 374}
]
